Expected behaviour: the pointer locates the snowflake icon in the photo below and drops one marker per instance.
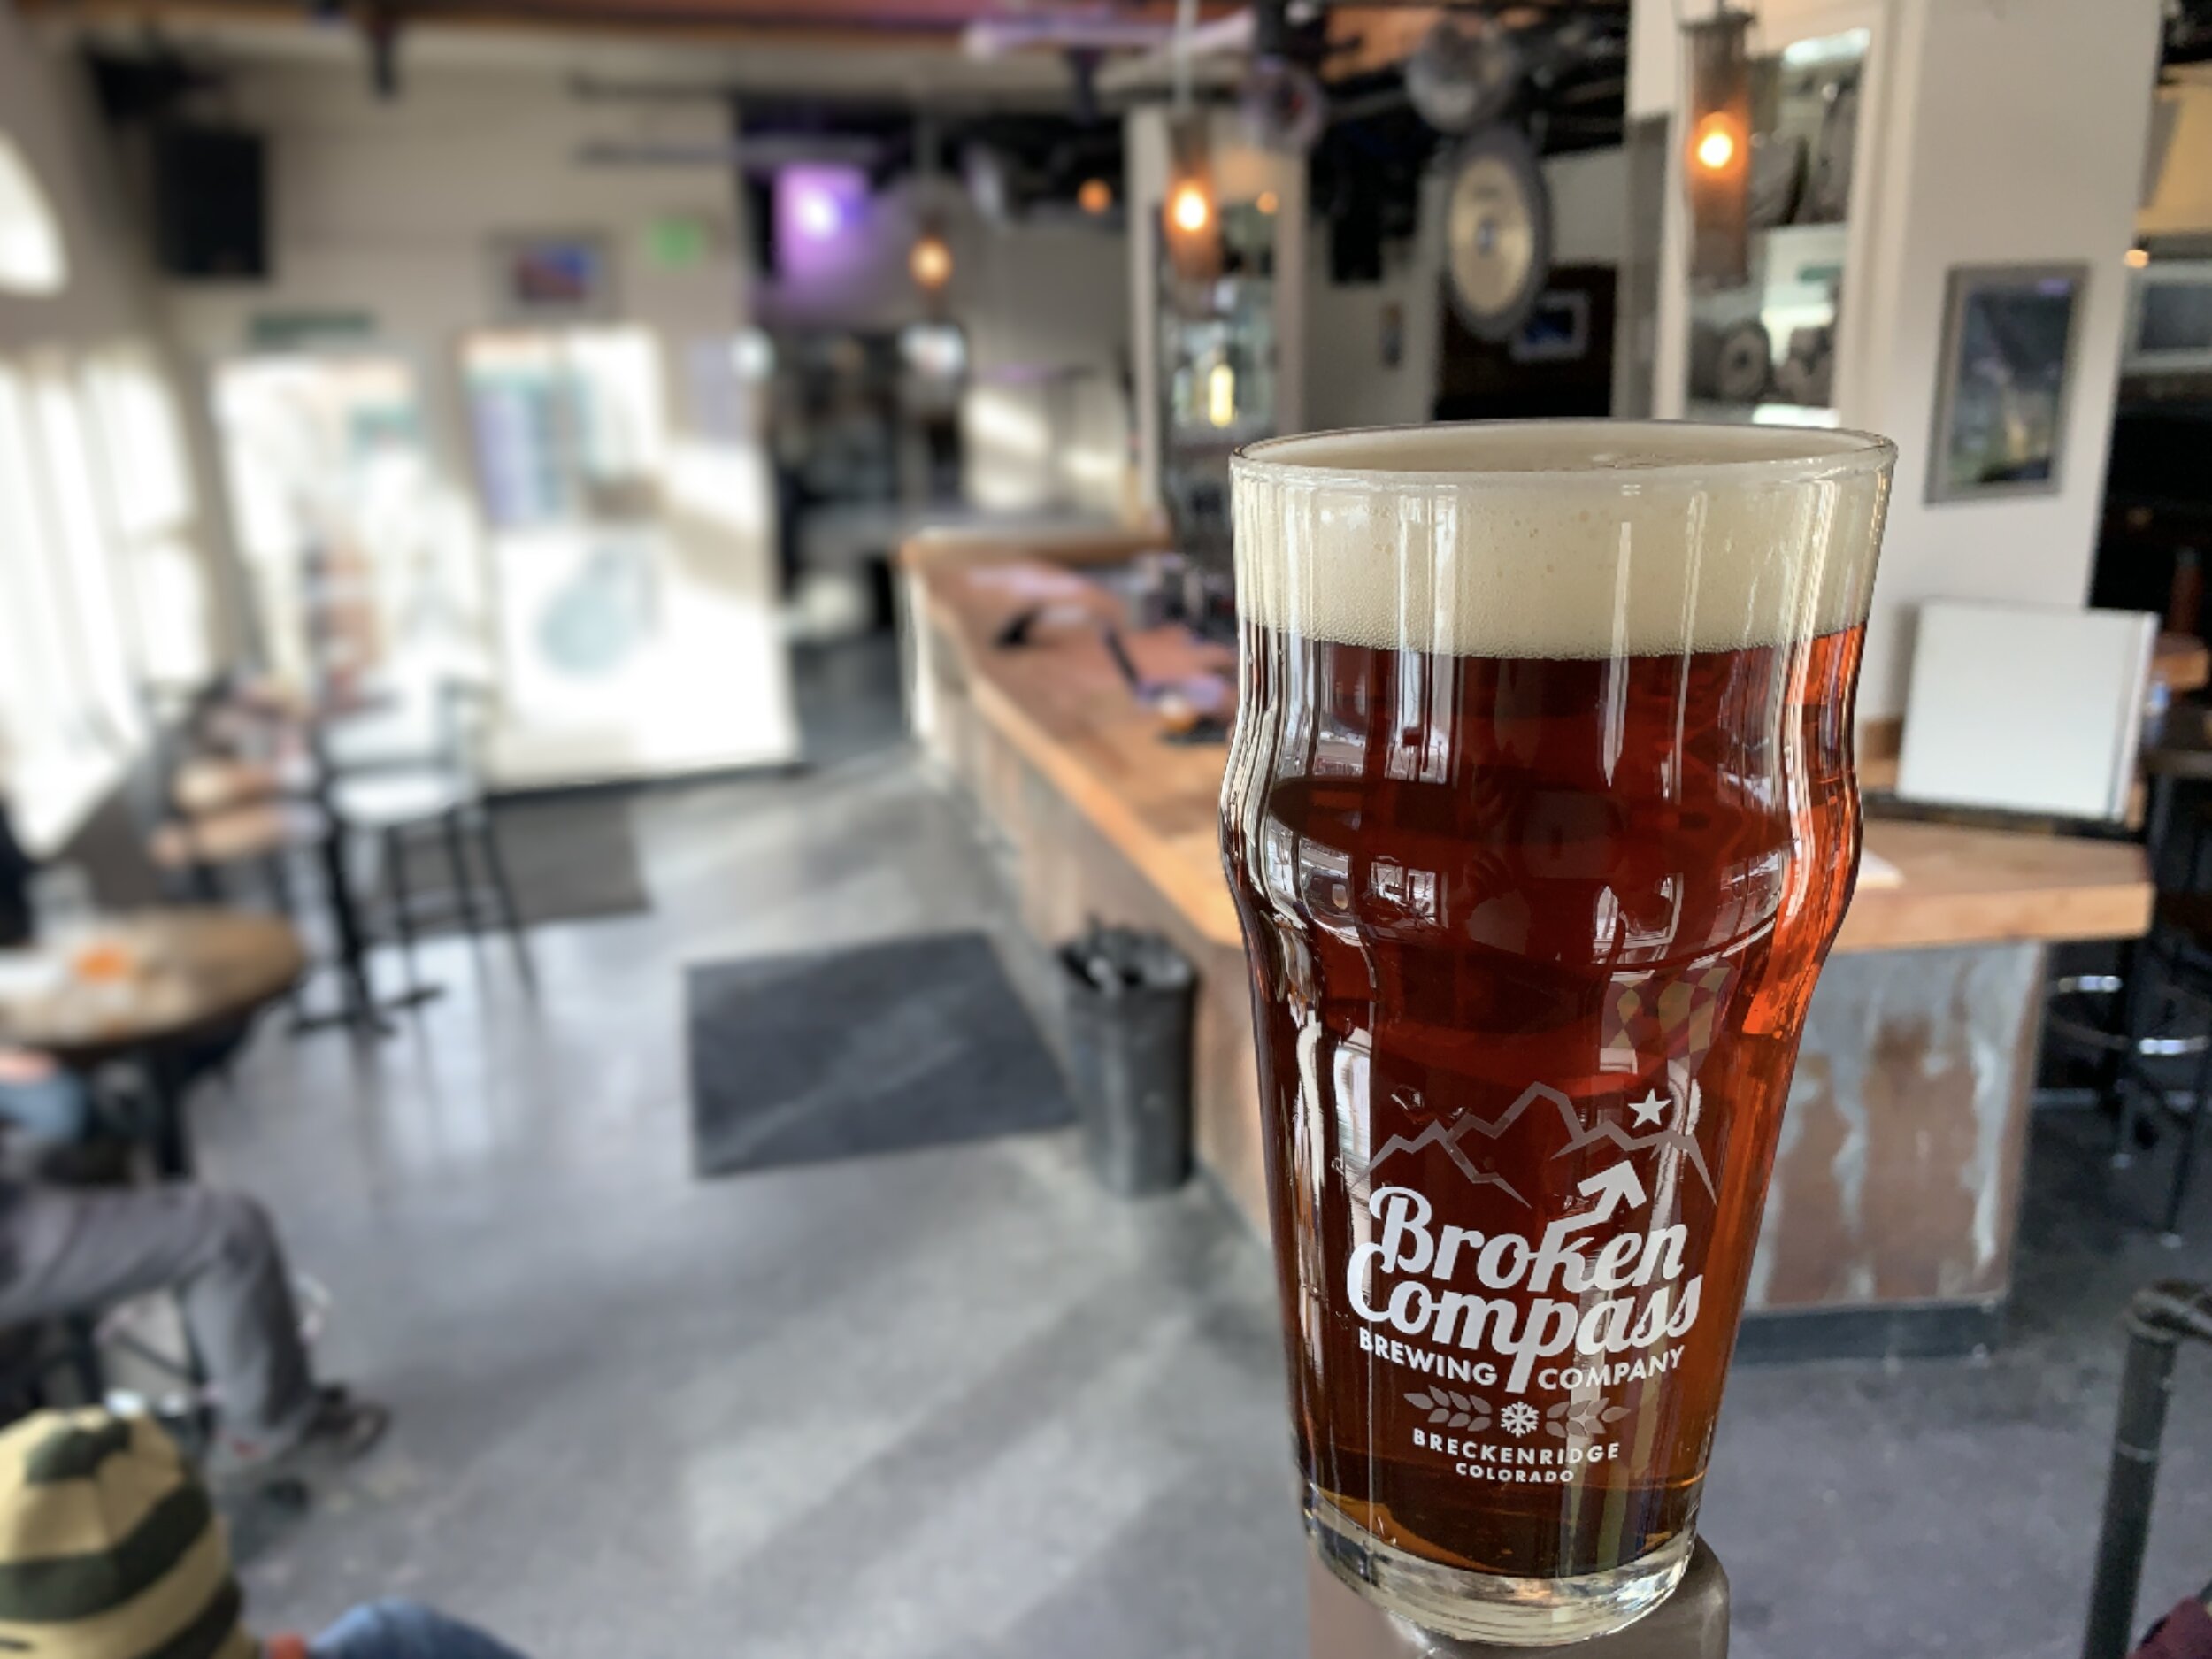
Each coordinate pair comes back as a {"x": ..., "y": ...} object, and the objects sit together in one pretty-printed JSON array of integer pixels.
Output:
[{"x": 1519, "y": 1417}]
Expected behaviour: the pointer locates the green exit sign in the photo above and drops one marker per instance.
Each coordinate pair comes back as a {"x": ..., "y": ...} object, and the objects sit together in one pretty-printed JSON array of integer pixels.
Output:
[
  {"x": 677, "y": 242},
  {"x": 300, "y": 330}
]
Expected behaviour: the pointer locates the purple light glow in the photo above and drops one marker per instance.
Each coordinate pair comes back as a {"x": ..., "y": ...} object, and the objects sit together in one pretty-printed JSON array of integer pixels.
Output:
[
  {"x": 819, "y": 212},
  {"x": 821, "y": 216}
]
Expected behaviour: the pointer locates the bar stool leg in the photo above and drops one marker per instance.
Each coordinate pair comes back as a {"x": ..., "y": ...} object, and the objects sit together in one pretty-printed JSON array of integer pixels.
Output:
[
  {"x": 2124, "y": 1126},
  {"x": 402, "y": 906},
  {"x": 2128, "y": 1062},
  {"x": 80, "y": 1335},
  {"x": 279, "y": 874},
  {"x": 2192, "y": 1140},
  {"x": 503, "y": 895},
  {"x": 361, "y": 1016},
  {"x": 464, "y": 883},
  {"x": 171, "y": 1139}
]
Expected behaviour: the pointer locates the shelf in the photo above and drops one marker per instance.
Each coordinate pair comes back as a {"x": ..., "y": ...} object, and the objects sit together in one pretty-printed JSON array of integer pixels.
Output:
[
  {"x": 1762, "y": 414},
  {"x": 1795, "y": 278},
  {"x": 1836, "y": 231}
]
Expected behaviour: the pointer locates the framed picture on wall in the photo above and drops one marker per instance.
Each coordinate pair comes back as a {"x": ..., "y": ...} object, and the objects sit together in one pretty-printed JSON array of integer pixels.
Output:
[
  {"x": 553, "y": 278},
  {"x": 2008, "y": 365},
  {"x": 1557, "y": 329}
]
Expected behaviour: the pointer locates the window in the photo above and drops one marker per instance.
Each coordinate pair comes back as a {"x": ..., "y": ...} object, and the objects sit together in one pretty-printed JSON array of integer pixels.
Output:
[
  {"x": 32, "y": 257},
  {"x": 35, "y": 671},
  {"x": 100, "y": 589},
  {"x": 58, "y": 745},
  {"x": 78, "y": 543},
  {"x": 147, "y": 489}
]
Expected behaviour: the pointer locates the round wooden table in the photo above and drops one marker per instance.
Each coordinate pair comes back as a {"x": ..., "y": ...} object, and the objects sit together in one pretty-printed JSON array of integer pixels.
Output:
[{"x": 145, "y": 986}]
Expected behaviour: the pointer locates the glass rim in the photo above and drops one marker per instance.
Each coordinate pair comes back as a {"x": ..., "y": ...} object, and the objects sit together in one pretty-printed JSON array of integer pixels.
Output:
[{"x": 1714, "y": 451}]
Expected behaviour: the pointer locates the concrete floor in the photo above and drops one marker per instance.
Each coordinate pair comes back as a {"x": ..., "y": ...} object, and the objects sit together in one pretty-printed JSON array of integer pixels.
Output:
[
  {"x": 957, "y": 1403},
  {"x": 1952, "y": 1507}
]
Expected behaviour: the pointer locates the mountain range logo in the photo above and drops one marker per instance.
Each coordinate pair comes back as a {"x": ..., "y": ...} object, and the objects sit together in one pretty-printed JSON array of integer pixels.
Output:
[{"x": 1665, "y": 1110}]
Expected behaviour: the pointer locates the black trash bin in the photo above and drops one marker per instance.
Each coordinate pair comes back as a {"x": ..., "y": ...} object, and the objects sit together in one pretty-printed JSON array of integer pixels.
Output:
[{"x": 1129, "y": 1041}]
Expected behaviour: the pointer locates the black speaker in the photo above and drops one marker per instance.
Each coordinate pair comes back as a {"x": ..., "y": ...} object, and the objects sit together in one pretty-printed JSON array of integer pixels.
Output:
[
  {"x": 760, "y": 227},
  {"x": 1355, "y": 240},
  {"x": 210, "y": 203}
]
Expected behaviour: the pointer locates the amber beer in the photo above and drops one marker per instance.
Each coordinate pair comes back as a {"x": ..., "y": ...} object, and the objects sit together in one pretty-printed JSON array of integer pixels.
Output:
[{"x": 1541, "y": 818}]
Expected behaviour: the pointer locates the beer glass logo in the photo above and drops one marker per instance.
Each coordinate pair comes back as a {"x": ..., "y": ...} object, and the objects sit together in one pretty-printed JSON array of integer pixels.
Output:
[
  {"x": 1582, "y": 1302},
  {"x": 1608, "y": 1310}
]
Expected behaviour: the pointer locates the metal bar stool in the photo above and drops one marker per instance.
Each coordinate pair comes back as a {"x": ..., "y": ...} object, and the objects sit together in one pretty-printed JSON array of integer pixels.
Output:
[
  {"x": 2167, "y": 1018},
  {"x": 412, "y": 779},
  {"x": 398, "y": 807},
  {"x": 2164, "y": 984}
]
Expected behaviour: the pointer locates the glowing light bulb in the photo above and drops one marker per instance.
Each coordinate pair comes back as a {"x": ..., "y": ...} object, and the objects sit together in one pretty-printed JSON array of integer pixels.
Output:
[
  {"x": 1095, "y": 197},
  {"x": 931, "y": 261},
  {"x": 2137, "y": 258},
  {"x": 1716, "y": 148},
  {"x": 1269, "y": 203},
  {"x": 1221, "y": 396},
  {"x": 1190, "y": 210}
]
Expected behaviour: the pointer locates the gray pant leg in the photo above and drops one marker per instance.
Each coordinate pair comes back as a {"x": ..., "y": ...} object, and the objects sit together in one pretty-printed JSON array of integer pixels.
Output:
[{"x": 66, "y": 1250}]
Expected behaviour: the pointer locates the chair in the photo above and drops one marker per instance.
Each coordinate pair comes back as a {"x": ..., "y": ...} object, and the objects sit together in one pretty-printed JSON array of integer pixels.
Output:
[
  {"x": 2169, "y": 991},
  {"x": 217, "y": 813},
  {"x": 2160, "y": 1318},
  {"x": 2165, "y": 1024},
  {"x": 413, "y": 773},
  {"x": 220, "y": 809}
]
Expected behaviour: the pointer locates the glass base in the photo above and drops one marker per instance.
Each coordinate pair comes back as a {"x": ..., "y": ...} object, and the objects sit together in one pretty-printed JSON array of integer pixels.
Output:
[{"x": 1492, "y": 1607}]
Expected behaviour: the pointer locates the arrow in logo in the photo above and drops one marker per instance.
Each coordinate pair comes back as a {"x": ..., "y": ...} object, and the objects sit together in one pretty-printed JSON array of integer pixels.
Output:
[{"x": 1613, "y": 1188}]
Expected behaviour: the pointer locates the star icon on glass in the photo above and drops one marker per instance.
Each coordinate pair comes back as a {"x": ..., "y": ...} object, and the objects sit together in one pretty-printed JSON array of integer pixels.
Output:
[{"x": 1647, "y": 1110}]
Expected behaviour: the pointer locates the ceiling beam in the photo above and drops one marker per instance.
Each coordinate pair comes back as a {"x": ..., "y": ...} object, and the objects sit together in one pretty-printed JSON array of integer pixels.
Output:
[{"x": 874, "y": 25}]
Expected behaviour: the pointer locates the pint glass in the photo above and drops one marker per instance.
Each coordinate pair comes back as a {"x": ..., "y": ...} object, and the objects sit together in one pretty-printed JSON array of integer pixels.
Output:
[{"x": 1539, "y": 818}]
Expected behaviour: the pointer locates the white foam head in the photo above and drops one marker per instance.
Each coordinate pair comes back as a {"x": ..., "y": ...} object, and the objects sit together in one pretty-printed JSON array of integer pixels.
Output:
[{"x": 1580, "y": 538}]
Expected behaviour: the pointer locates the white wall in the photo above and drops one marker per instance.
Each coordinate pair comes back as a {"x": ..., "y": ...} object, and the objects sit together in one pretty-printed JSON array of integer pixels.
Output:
[
  {"x": 1347, "y": 383},
  {"x": 1589, "y": 206},
  {"x": 1047, "y": 298},
  {"x": 1995, "y": 133},
  {"x": 2019, "y": 135},
  {"x": 43, "y": 111},
  {"x": 2178, "y": 199},
  {"x": 390, "y": 209}
]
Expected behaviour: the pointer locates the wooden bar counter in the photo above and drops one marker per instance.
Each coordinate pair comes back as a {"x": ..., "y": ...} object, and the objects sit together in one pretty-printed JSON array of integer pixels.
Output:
[{"x": 1895, "y": 1195}]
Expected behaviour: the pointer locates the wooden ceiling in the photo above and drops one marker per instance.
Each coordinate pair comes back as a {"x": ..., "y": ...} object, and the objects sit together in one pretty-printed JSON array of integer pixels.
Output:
[
  {"x": 860, "y": 23},
  {"x": 866, "y": 25}
]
